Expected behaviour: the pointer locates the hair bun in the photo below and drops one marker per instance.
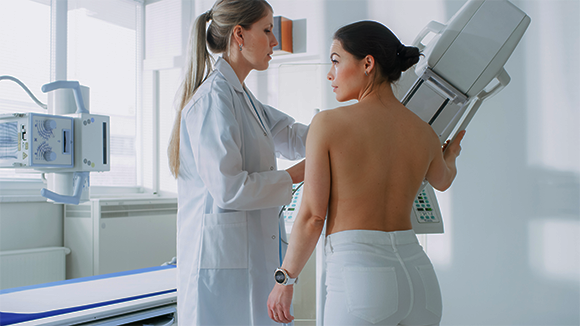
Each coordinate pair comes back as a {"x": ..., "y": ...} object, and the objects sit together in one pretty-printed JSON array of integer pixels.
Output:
[{"x": 408, "y": 56}]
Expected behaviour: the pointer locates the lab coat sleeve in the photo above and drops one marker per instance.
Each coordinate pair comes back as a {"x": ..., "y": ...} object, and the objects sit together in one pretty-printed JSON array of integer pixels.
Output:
[
  {"x": 216, "y": 141},
  {"x": 289, "y": 136}
]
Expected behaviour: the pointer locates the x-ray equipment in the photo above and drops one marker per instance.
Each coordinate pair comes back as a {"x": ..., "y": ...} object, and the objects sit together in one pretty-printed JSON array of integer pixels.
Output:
[
  {"x": 449, "y": 83},
  {"x": 68, "y": 144}
]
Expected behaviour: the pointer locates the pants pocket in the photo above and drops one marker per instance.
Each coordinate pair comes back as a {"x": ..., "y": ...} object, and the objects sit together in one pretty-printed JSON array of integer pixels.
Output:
[
  {"x": 372, "y": 293},
  {"x": 432, "y": 290},
  {"x": 224, "y": 241}
]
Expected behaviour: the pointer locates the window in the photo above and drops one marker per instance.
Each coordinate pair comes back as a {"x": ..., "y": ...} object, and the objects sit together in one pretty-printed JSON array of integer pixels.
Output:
[
  {"x": 24, "y": 54},
  {"x": 102, "y": 54}
]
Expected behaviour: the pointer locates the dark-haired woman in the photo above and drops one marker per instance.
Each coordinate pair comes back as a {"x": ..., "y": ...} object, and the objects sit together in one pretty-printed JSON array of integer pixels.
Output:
[
  {"x": 365, "y": 165},
  {"x": 223, "y": 153}
]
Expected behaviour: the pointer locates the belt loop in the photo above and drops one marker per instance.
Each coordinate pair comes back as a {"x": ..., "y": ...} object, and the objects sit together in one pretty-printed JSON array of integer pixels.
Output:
[
  {"x": 329, "y": 244},
  {"x": 393, "y": 241}
]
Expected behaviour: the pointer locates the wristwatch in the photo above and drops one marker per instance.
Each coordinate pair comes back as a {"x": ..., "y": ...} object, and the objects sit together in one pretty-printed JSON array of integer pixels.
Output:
[{"x": 282, "y": 278}]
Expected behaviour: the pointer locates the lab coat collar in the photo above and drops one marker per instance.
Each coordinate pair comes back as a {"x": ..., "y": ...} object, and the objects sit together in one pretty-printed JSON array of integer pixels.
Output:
[
  {"x": 228, "y": 72},
  {"x": 230, "y": 75}
]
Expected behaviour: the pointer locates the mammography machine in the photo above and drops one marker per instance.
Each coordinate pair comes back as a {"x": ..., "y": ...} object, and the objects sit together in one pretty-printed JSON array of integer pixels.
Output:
[
  {"x": 449, "y": 83},
  {"x": 67, "y": 144}
]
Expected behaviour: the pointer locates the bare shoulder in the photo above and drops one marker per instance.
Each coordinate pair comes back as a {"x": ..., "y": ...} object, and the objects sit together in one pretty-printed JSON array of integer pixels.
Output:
[
  {"x": 327, "y": 126},
  {"x": 327, "y": 122}
]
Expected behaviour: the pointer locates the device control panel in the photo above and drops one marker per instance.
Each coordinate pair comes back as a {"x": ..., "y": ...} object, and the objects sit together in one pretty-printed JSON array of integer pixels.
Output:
[
  {"x": 426, "y": 215},
  {"x": 36, "y": 140},
  {"x": 291, "y": 210}
]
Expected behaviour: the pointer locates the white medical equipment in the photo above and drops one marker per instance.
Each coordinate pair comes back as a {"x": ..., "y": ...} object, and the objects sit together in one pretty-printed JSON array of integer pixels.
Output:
[
  {"x": 461, "y": 60},
  {"x": 70, "y": 145},
  {"x": 145, "y": 297}
]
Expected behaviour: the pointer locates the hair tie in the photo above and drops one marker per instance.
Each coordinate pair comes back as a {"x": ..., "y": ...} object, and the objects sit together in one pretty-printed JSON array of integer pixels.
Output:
[
  {"x": 400, "y": 49},
  {"x": 208, "y": 15}
]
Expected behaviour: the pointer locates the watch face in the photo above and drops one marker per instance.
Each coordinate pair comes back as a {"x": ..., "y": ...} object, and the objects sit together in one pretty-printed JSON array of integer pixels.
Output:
[{"x": 280, "y": 277}]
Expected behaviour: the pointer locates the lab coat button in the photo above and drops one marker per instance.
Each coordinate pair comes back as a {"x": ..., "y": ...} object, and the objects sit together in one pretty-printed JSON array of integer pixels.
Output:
[
  {"x": 273, "y": 237},
  {"x": 271, "y": 168},
  {"x": 265, "y": 134}
]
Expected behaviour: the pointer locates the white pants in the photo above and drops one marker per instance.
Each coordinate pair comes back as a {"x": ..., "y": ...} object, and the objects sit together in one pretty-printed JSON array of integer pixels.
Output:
[{"x": 379, "y": 278}]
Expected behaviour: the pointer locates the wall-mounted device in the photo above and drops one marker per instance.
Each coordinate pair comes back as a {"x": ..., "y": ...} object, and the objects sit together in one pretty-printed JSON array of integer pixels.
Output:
[{"x": 70, "y": 145}]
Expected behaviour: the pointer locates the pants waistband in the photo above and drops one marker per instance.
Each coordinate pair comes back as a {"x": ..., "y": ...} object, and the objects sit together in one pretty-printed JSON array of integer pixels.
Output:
[{"x": 372, "y": 237}]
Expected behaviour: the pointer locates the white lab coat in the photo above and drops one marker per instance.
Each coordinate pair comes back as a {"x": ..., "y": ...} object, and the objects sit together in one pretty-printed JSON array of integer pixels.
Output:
[{"x": 230, "y": 193}]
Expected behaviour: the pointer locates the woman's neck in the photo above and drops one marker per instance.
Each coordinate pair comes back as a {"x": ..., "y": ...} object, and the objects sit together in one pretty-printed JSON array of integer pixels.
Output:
[
  {"x": 382, "y": 92},
  {"x": 240, "y": 67}
]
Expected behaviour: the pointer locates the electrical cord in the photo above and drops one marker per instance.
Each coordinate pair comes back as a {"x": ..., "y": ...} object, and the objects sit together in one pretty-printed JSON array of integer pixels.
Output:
[{"x": 16, "y": 80}]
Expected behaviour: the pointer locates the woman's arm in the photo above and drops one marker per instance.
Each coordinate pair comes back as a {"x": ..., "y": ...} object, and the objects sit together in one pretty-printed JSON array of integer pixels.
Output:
[
  {"x": 443, "y": 170},
  {"x": 311, "y": 217}
]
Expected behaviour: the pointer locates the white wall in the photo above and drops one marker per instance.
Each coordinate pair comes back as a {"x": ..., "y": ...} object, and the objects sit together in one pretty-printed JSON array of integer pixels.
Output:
[
  {"x": 511, "y": 251},
  {"x": 29, "y": 225}
]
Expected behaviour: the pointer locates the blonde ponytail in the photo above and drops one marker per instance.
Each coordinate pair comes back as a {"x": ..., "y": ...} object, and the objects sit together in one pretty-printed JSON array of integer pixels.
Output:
[{"x": 196, "y": 72}]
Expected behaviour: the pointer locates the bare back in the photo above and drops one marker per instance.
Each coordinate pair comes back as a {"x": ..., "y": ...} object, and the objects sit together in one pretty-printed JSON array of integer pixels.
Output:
[{"x": 377, "y": 161}]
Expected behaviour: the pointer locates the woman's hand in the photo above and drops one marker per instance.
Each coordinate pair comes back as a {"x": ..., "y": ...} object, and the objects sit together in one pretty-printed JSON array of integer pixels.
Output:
[
  {"x": 297, "y": 171},
  {"x": 452, "y": 149},
  {"x": 279, "y": 303}
]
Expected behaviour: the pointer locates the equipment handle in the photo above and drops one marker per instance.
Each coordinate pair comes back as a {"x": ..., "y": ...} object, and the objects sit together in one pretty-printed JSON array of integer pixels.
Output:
[
  {"x": 434, "y": 27},
  {"x": 503, "y": 80},
  {"x": 79, "y": 179},
  {"x": 74, "y": 85}
]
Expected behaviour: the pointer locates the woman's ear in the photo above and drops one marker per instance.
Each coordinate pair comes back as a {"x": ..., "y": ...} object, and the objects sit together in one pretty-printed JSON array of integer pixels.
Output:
[
  {"x": 238, "y": 34},
  {"x": 369, "y": 63}
]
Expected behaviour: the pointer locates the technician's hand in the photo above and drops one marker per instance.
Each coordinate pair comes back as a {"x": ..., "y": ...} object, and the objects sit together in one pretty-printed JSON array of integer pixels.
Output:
[
  {"x": 279, "y": 303},
  {"x": 297, "y": 171}
]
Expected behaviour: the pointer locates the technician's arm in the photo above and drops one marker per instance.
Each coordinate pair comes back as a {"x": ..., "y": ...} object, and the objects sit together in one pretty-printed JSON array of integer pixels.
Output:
[
  {"x": 289, "y": 139},
  {"x": 289, "y": 136},
  {"x": 443, "y": 170},
  {"x": 296, "y": 171},
  {"x": 310, "y": 220}
]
